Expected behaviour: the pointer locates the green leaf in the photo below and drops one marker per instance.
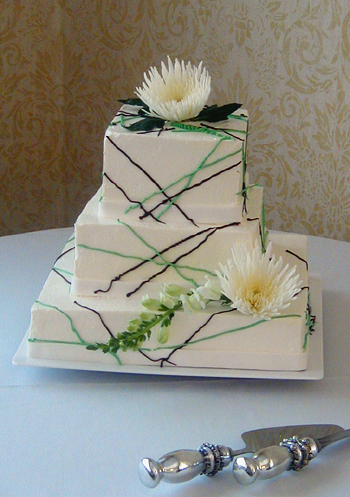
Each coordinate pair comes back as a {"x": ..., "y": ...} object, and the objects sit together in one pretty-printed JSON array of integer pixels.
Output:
[
  {"x": 132, "y": 101},
  {"x": 144, "y": 112},
  {"x": 214, "y": 113},
  {"x": 165, "y": 323},
  {"x": 91, "y": 347},
  {"x": 146, "y": 124}
]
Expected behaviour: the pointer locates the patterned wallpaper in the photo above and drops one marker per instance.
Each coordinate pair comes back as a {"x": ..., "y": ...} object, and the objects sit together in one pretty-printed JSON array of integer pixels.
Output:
[{"x": 65, "y": 64}]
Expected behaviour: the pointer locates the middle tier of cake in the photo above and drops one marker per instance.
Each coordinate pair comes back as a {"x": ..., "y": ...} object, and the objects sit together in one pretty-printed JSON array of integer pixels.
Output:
[{"x": 115, "y": 257}]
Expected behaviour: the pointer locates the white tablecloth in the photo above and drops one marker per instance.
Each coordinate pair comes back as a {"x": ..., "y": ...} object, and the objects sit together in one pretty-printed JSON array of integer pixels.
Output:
[{"x": 79, "y": 433}]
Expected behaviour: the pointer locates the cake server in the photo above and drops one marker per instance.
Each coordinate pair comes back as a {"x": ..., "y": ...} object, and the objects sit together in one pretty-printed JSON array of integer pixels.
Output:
[{"x": 274, "y": 450}]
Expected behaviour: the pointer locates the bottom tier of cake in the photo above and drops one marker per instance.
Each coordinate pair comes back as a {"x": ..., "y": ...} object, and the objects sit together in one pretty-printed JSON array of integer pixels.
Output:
[{"x": 67, "y": 327}]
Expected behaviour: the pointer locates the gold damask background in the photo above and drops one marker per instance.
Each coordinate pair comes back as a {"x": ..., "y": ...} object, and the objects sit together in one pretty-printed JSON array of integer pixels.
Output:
[{"x": 65, "y": 64}]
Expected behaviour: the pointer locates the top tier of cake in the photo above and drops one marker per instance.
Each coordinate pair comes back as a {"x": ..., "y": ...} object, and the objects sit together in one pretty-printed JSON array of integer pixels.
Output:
[{"x": 189, "y": 172}]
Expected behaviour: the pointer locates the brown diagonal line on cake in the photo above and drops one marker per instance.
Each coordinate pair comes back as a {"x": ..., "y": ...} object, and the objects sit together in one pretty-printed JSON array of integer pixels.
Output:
[
  {"x": 158, "y": 132},
  {"x": 63, "y": 277},
  {"x": 181, "y": 257},
  {"x": 301, "y": 289},
  {"x": 146, "y": 213},
  {"x": 196, "y": 185},
  {"x": 176, "y": 244},
  {"x": 260, "y": 227},
  {"x": 150, "y": 178},
  {"x": 63, "y": 254},
  {"x": 137, "y": 266},
  {"x": 186, "y": 342},
  {"x": 162, "y": 359},
  {"x": 298, "y": 257},
  {"x": 225, "y": 131},
  {"x": 98, "y": 314}
]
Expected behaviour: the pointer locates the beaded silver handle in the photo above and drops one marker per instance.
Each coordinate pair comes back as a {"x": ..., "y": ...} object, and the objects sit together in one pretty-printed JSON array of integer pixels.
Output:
[
  {"x": 184, "y": 465},
  {"x": 292, "y": 453},
  {"x": 269, "y": 462}
]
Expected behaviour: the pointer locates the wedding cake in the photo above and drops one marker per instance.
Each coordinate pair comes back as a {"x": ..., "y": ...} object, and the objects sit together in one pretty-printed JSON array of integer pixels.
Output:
[{"x": 170, "y": 263}]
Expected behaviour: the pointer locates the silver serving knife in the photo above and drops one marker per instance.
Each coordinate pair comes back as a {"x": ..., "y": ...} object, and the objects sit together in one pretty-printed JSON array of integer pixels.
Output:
[
  {"x": 274, "y": 450},
  {"x": 293, "y": 453}
]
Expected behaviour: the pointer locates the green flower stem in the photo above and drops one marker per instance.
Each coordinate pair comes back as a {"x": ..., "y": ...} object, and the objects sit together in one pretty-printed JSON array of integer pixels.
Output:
[
  {"x": 131, "y": 340},
  {"x": 163, "y": 316}
]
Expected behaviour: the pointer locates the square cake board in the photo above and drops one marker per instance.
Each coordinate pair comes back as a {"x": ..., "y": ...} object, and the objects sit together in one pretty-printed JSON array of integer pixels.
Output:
[{"x": 314, "y": 371}]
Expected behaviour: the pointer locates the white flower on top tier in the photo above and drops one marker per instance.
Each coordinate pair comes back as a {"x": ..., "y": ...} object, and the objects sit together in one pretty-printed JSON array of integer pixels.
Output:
[
  {"x": 180, "y": 92},
  {"x": 257, "y": 283}
]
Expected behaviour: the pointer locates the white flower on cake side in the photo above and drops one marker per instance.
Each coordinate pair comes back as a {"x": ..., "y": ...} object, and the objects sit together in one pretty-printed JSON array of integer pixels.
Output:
[
  {"x": 180, "y": 92},
  {"x": 198, "y": 298},
  {"x": 256, "y": 283}
]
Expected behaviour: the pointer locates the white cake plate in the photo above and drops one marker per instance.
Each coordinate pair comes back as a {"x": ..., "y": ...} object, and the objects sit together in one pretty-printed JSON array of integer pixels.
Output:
[{"x": 314, "y": 370}]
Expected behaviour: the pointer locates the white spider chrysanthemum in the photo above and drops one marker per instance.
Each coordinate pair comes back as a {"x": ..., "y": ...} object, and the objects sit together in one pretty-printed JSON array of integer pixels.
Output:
[
  {"x": 180, "y": 92},
  {"x": 257, "y": 283}
]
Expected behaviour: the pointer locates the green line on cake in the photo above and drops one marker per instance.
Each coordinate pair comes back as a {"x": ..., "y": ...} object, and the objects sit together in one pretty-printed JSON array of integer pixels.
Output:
[
  {"x": 112, "y": 252},
  {"x": 264, "y": 231},
  {"x": 248, "y": 187},
  {"x": 66, "y": 342},
  {"x": 115, "y": 123},
  {"x": 58, "y": 342},
  {"x": 145, "y": 259},
  {"x": 188, "y": 175},
  {"x": 201, "y": 167},
  {"x": 243, "y": 191},
  {"x": 184, "y": 127},
  {"x": 174, "y": 266},
  {"x": 167, "y": 263},
  {"x": 239, "y": 118},
  {"x": 234, "y": 130},
  {"x": 310, "y": 321},
  {"x": 244, "y": 162},
  {"x": 173, "y": 200},
  {"x": 63, "y": 271},
  {"x": 147, "y": 174},
  {"x": 195, "y": 185},
  {"x": 74, "y": 330},
  {"x": 216, "y": 335}
]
